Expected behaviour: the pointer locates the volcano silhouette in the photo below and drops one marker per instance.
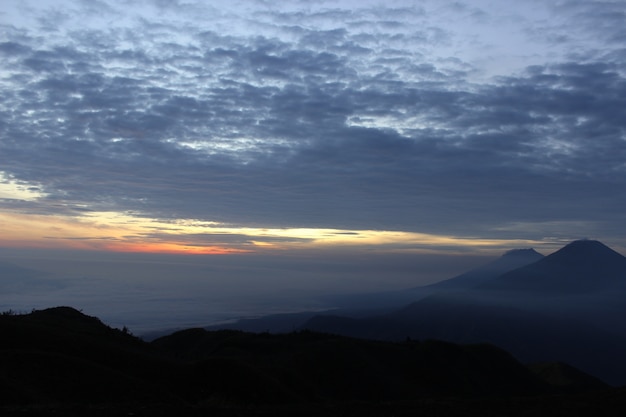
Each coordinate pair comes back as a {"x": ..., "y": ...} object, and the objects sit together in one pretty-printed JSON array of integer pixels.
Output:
[
  {"x": 583, "y": 266},
  {"x": 568, "y": 306}
]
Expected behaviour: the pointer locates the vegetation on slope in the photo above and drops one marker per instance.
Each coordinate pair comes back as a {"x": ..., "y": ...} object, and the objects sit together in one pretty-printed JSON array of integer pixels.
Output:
[{"x": 60, "y": 361}]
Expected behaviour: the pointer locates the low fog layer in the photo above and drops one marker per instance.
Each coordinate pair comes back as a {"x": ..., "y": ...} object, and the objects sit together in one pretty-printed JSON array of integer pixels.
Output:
[{"x": 153, "y": 292}]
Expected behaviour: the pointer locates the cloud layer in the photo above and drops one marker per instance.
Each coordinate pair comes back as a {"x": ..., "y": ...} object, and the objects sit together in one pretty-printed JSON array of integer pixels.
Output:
[{"x": 453, "y": 119}]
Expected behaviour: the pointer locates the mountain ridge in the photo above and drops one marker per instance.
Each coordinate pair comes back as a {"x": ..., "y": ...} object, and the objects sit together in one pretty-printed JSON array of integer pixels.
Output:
[
  {"x": 60, "y": 359},
  {"x": 369, "y": 304},
  {"x": 532, "y": 311},
  {"x": 581, "y": 266},
  {"x": 510, "y": 260}
]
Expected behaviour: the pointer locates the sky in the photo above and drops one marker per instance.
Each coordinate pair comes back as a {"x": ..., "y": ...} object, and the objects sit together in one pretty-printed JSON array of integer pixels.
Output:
[{"x": 262, "y": 130}]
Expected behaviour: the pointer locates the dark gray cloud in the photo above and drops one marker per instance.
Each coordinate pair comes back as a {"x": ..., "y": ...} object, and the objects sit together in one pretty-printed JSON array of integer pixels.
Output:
[{"x": 325, "y": 118}]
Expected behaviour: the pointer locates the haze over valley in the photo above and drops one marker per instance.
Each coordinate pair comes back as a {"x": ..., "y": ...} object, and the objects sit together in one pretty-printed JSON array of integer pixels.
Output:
[{"x": 156, "y": 292}]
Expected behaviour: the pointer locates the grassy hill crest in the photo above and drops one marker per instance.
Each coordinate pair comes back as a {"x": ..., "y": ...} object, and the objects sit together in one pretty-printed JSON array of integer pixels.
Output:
[{"x": 60, "y": 359}]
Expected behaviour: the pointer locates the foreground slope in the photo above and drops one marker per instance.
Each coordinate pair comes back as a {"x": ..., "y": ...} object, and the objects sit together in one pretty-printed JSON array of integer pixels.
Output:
[
  {"x": 60, "y": 354},
  {"x": 61, "y": 362},
  {"x": 329, "y": 367}
]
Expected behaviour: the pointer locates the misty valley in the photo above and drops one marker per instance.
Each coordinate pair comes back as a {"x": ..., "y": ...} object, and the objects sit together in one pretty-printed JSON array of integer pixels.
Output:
[{"x": 521, "y": 333}]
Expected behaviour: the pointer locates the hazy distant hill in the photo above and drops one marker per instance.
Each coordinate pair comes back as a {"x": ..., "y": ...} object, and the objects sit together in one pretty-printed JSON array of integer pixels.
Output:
[
  {"x": 393, "y": 299},
  {"x": 510, "y": 261},
  {"x": 365, "y": 305},
  {"x": 534, "y": 311},
  {"x": 274, "y": 323},
  {"x": 61, "y": 362},
  {"x": 582, "y": 267},
  {"x": 584, "y": 281},
  {"x": 16, "y": 279}
]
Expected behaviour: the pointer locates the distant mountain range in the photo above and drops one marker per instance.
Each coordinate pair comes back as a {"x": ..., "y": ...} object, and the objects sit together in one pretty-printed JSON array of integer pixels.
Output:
[
  {"x": 510, "y": 261},
  {"x": 16, "y": 279},
  {"x": 359, "y": 304},
  {"x": 560, "y": 320},
  {"x": 568, "y": 306},
  {"x": 369, "y": 304},
  {"x": 582, "y": 267}
]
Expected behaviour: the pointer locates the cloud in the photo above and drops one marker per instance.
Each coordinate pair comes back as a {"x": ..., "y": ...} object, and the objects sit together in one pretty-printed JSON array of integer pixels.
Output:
[
  {"x": 324, "y": 118},
  {"x": 604, "y": 20}
]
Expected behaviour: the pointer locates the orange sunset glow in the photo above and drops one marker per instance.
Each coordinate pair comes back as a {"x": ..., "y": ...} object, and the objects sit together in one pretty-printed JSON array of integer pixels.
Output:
[{"x": 119, "y": 232}]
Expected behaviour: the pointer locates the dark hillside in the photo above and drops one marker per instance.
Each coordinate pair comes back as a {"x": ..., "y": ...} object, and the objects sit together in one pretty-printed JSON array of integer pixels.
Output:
[
  {"x": 63, "y": 355},
  {"x": 323, "y": 366},
  {"x": 529, "y": 336},
  {"x": 60, "y": 354},
  {"x": 61, "y": 362},
  {"x": 566, "y": 377}
]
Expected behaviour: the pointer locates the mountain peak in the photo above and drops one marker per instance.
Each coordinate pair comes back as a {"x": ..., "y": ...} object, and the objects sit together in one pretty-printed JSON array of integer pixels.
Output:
[
  {"x": 587, "y": 251},
  {"x": 579, "y": 267},
  {"x": 587, "y": 243}
]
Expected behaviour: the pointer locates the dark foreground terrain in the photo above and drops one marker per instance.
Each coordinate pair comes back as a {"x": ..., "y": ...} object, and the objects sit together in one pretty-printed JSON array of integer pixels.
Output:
[{"x": 60, "y": 362}]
